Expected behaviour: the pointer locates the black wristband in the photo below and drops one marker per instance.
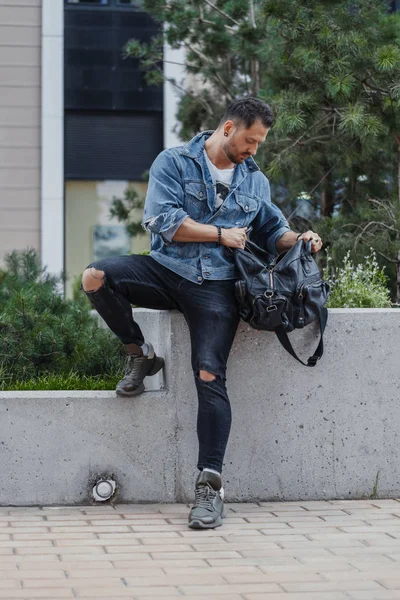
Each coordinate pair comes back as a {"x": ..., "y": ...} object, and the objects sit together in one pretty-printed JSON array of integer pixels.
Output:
[{"x": 219, "y": 235}]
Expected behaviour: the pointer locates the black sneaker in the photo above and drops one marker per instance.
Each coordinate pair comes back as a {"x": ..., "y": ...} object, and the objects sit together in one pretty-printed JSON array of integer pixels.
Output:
[
  {"x": 208, "y": 509},
  {"x": 137, "y": 368}
]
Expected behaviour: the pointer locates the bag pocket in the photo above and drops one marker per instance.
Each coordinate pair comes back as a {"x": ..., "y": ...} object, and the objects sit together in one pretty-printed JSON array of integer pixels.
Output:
[
  {"x": 317, "y": 294},
  {"x": 309, "y": 300},
  {"x": 269, "y": 311}
]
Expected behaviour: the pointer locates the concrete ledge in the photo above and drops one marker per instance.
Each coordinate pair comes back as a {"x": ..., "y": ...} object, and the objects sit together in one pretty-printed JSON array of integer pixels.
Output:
[{"x": 298, "y": 434}]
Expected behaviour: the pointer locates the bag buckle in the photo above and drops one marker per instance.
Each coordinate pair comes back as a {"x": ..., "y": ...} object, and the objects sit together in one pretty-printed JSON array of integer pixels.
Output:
[
  {"x": 272, "y": 308},
  {"x": 268, "y": 294},
  {"x": 312, "y": 361}
]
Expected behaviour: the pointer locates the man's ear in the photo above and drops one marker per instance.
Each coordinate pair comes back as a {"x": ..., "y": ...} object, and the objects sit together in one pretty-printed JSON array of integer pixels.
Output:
[{"x": 229, "y": 127}]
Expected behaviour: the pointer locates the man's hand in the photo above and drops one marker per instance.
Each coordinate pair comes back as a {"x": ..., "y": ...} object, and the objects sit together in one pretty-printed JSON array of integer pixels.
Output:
[
  {"x": 316, "y": 242},
  {"x": 290, "y": 238},
  {"x": 234, "y": 237}
]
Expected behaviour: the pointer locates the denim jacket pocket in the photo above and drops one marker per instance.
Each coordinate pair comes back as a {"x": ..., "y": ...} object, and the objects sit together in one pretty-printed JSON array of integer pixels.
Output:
[
  {"x": 246, "y": 210},
  {"x": 196, "y": 199}
]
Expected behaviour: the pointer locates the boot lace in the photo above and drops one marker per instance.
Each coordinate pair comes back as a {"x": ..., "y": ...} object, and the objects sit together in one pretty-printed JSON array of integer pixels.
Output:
[
  {"x": 204, "y": 497},
  {"x": 133, "y": 366}
]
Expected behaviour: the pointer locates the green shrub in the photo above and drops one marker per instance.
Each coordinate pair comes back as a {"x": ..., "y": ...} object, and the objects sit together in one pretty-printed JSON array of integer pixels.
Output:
[
  {"x": 41, "y": 334},
  {"x": 357, "y": 286}
]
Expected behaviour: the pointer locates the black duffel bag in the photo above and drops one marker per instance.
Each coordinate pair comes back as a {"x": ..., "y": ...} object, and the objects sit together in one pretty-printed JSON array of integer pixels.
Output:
[{"x": 282, "y": 295}]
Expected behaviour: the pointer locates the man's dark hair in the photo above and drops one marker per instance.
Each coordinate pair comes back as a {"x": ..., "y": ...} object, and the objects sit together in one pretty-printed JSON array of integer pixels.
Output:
[{"x": 246, "y": 111}]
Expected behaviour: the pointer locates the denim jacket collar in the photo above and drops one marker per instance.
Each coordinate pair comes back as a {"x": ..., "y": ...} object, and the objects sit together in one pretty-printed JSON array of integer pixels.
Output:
[{"x": 195, "y": 147}]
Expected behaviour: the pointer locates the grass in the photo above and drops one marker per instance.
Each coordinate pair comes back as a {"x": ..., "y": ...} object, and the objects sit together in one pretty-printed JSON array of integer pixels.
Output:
[{"x": 72, "y": 381}]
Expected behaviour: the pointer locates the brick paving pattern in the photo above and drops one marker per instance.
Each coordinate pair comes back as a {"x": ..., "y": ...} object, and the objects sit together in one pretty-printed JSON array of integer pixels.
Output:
[{"x": 334, "y": 550}]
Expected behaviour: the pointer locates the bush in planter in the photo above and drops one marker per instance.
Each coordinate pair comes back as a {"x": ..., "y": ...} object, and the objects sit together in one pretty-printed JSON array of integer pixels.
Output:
[
  {"x": 357, "y": 286},
  {"x": 41, "y": 334}
]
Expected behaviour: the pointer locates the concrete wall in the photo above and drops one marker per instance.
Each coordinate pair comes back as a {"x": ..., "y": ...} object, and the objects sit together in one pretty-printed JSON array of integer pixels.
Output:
[
  {"x": 297, "y": 434},
  {"x": 20, "y": 78}
]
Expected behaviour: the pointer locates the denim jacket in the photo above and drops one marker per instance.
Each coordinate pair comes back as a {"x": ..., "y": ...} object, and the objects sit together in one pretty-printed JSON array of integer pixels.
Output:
[{"x": 180, "y": 186}]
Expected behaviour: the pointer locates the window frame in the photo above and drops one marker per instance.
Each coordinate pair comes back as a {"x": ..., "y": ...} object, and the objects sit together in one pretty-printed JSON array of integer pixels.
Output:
[
  {"x": 111, "y": 5},
  {"x": 87, "y": 4}
]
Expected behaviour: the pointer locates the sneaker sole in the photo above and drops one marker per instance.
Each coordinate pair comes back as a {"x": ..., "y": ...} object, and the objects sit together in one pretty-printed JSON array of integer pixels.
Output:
[
  {"x": 158, "y": 365},
  {"x": 197, "y": 524},
  {"x": 136, "y": 392}
]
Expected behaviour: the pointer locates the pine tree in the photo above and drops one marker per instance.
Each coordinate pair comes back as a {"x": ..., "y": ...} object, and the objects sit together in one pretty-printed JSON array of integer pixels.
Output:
[
  {"x": 41, "y": 333},
  {"x": 331, "y": 71}
]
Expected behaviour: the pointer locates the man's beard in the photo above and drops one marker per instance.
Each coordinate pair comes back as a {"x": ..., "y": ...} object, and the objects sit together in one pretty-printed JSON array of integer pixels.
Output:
[{"x": 230, "y": 153}]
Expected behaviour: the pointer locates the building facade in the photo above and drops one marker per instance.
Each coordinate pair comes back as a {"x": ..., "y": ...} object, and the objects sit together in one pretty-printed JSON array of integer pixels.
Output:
[
  {"x": 78, "y": 126},
  {"x": 20, "y": 124}
]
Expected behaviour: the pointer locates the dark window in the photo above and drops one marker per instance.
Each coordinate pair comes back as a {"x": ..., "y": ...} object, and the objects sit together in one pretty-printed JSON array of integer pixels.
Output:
[
  {"x": 98, "y": 2},
  {"x": 113, "y": 119},
  {"x": 111, "y": 146},
  {"x": 136, "y": 3},
  {"x": 121, "y": 3},
  {"x": 96, "y": 75}
]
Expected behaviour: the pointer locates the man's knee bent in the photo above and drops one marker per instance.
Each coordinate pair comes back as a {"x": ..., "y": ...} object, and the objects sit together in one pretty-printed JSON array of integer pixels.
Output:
[
  {"x": 206, "y": 375},
  {"x": 92, "y": 279}
]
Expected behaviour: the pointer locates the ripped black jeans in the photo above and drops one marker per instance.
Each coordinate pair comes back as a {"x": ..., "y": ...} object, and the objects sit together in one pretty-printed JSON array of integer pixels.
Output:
[{"x": 211, "y": 312}]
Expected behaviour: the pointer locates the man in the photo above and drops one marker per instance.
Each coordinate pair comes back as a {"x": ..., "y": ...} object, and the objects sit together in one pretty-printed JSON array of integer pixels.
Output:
[{"x": 201, "y": 200}]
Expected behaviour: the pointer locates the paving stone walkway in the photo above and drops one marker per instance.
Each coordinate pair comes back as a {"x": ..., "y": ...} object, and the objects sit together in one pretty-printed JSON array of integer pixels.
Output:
[{"x": 333, "y": 550}]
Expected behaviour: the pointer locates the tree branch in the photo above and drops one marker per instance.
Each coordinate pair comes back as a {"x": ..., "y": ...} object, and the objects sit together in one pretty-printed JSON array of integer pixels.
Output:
[
  {"x": 315, "y": 139},
  {"x": 213, "y": 68},
  {"x": 252, "y": 16},
  {"x": 328, "y": 172},
  {"x": 171, "y": 62},
  {"x": 303, "y": 134},
  {"x": 188, "y": 92},
  {"x": 206, "y": 22},
  {"x": 255, "y": 65},
  {"x": 221, "y": 12},
  {"x": 373, "y": 87},
  {"x": 391, "y": 260},
  {"x": 369, "y": 224},
  {"x": 382, "y": 205}
]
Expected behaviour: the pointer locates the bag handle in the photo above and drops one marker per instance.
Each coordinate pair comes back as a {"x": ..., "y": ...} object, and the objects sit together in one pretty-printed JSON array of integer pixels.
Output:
[{"x": 284, "y": 340}]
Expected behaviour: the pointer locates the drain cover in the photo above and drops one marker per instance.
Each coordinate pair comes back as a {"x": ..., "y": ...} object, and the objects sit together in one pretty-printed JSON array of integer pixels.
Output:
[{"x": 104, "y": 489}]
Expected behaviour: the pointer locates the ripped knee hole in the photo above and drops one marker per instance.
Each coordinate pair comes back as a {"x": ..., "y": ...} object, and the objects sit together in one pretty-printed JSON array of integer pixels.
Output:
[
  {"x": 92, "y": 279},
  {"x": 206, "y": 376}
]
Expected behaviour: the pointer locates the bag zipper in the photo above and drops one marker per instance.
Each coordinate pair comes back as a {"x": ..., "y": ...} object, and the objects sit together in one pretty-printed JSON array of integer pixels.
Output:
[
  {"x": 314, "y": 282},
  {"x": 315, "y": 278}
]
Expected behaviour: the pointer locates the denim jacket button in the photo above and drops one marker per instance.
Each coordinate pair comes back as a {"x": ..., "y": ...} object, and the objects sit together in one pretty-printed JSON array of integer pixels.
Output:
[
  {"x": 207, "y": 274},
  {"x": 200, "y": 194},
  {"x": 246, "y": 207},
  {"x": 199, "y": 279}
]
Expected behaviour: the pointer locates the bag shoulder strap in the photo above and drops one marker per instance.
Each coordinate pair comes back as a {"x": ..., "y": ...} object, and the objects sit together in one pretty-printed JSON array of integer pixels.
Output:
[{"x": 284, "y": 340}]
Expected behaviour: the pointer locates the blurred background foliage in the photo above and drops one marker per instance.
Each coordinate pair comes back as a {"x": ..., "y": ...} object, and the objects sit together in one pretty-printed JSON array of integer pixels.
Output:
[
  {"x": 330, "y": 69},
  {"x": 47, "y": 341}
]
